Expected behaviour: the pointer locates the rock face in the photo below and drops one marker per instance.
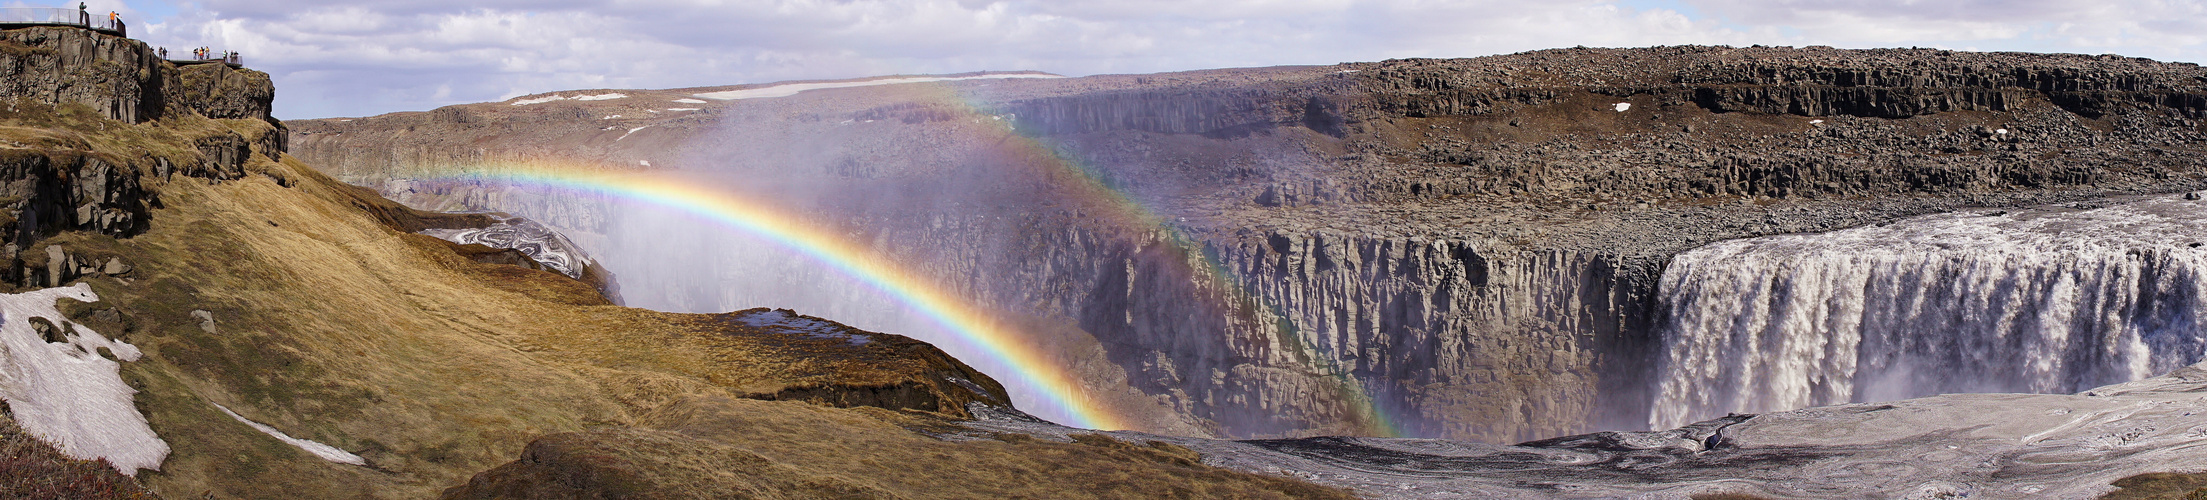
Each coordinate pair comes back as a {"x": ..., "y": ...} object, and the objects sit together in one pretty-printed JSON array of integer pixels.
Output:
[
  {"x": 118, "y": 77},
  {"x": 1465, "y": 248},
  {"x": 52, "y": 193},
  {"x": 123, "y": 79}
]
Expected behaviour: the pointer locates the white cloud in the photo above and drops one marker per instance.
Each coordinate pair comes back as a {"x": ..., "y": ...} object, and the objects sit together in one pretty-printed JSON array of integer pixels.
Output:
[{"x": 374, "y": 56}]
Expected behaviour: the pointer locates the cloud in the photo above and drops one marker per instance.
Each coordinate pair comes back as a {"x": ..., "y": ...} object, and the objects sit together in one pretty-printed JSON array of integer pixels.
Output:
[{"x": 374, "y": 56}]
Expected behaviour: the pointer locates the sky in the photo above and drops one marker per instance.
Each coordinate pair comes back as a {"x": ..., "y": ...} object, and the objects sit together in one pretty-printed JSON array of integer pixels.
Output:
[{"x": 367, "y": 57}]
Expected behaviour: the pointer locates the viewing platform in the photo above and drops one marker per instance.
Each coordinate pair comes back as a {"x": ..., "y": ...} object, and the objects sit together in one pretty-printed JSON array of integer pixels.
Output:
[
  {"x": 110, "y": 24},
  {"x": 229, "y": 58},
  {"x": 25, "y": 17}
]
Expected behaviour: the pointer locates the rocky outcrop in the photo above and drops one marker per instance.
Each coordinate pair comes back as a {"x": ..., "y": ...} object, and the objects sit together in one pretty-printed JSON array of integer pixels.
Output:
[
  {"x": 541, "y": 247},
  {"x": 221, "y": 92},
  {"x": 117, "y": 77},
  {"x": 123, "y": 79},
  {"x": 862, "y": 368},
  {"x": 50, "y": 194}
]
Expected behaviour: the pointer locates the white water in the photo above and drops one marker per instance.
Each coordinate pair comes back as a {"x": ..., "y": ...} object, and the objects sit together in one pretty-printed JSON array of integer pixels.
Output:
[{"x": 2045, "y": 301}]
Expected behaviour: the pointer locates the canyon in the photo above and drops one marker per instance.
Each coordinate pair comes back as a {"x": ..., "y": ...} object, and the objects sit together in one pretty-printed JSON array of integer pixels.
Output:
[{"x": 1472, "y": 249}]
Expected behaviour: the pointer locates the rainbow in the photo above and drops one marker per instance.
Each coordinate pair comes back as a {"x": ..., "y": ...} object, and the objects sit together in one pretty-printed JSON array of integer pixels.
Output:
[
  {"x": 1056, "y": 388},
  {"x": 1062, "y": 393}
]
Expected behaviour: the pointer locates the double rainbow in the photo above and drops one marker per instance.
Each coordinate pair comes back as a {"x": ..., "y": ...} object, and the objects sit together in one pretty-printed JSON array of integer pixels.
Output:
[{"x": 1056, "y": 388}]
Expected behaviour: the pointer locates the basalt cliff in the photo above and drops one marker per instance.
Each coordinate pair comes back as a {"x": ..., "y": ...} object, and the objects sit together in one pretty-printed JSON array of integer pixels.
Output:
[{"x": 1464, "y": 248}]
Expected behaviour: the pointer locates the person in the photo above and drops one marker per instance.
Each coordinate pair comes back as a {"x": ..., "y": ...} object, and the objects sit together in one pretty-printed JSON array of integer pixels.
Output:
[{"x": 83, "y": 17}]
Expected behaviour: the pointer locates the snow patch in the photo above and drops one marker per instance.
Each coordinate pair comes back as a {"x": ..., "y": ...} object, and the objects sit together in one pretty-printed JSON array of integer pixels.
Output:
[
  {"x": 630, "y": 132},
  {"x": 539, "y": 100},
  {"x": 682, "y": 109},
  {"x": 689, "y": 101},
  {"x": 790, "y": 89},
  {"x": 556, "y": 97},
  {"x": 327, "y": 452},
  {"x": 1813, "y": 122},
  {"x": 609, "y": 117},
  {"x": 2001, "y": 131},
  {"x": 646, "y": 163},
  {"x": 1622, "y": 106},
  {"x": 67, "y": 393}
]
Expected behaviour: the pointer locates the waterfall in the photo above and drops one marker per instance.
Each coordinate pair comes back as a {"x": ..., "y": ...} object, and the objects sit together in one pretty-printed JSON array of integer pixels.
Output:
[{"x": 2048, "y": 300}]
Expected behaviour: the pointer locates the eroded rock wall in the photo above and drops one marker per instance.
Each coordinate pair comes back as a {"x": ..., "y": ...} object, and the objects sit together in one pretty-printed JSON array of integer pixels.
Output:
[{"x": 1324, "y": 331}]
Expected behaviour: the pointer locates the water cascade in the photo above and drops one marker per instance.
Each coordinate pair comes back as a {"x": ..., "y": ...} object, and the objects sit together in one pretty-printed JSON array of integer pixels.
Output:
[{"x": 2047, "y": 300}]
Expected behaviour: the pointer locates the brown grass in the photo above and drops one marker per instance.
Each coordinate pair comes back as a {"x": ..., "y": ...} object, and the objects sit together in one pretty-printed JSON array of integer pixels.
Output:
[{"x": 34, "y": 470}]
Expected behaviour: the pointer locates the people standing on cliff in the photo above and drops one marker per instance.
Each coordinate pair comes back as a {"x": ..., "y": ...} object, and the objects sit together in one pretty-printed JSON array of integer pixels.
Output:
[{"x": 83, "y": 17}]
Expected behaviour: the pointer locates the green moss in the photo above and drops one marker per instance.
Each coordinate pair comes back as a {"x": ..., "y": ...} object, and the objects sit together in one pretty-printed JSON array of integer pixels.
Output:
[{"x": 2160, "y": 485}]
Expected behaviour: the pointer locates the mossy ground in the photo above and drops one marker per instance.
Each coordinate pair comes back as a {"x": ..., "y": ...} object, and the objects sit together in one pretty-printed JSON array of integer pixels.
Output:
[{"x": 2160, "y": 486}]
